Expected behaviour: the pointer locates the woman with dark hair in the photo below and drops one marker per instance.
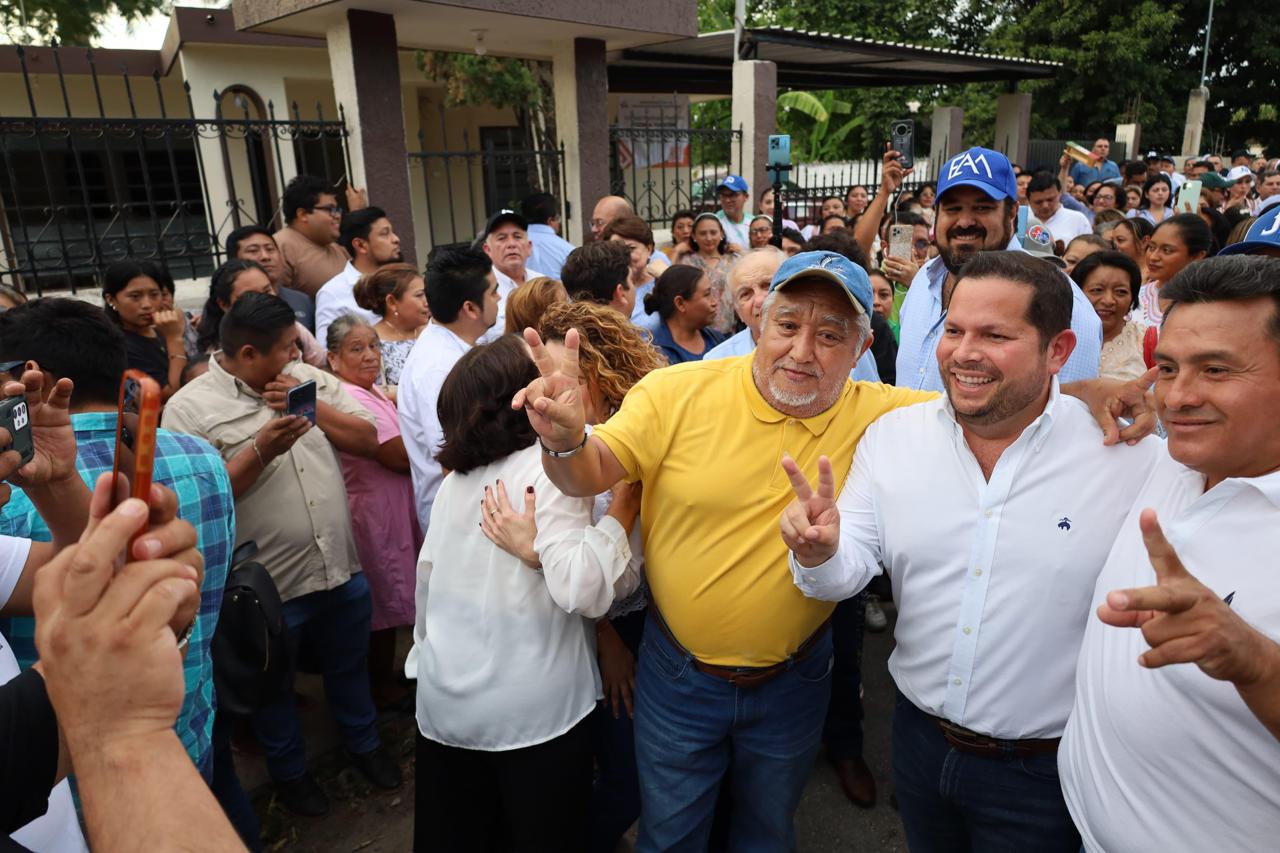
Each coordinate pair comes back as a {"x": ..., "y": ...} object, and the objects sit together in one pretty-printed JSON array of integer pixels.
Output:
[
  {"x": 708, "y": 251},
  {"x": 1111, "y": 279},
  {"x": 153, "y": 336},
  {"x": 1177, "y": 242},
  {"x": 681, "y": 230},
  {"x": 506, "y": 674},
  {"x": 229, "y": 282},
  {"x": 644, "y": 266},
  {"x": 835, "y": 222},
  {"x": 1157, "y": 195},
  {"x": 686, "y": 306},
  {"x": 397, "y": 294},
  {"x": 1131, "y": 237},
  {"x": 925, "y": 197}
]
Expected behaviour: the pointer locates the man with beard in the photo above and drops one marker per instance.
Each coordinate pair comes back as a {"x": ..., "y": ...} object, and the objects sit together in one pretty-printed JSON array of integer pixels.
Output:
[
  {"x": 370, "y": 240},
  {"x": 506, "y": 242},
  {"x": 977, "y": 209},
  {"x": 988, "y": 512}
]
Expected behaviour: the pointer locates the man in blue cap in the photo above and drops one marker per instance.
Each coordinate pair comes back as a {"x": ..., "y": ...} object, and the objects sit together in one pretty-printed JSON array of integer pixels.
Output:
[
  {"x": 976, "y": 211},
  {"x": 735, "y": 671},
  {"x": 1262, "y": 238},
  {"x": 733, "y": 195}
]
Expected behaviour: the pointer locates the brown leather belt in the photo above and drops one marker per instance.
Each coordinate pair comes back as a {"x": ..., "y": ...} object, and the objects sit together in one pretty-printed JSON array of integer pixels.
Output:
[
  {"x": 742, "y": 676},
  {"x": 973, "y": 743}
]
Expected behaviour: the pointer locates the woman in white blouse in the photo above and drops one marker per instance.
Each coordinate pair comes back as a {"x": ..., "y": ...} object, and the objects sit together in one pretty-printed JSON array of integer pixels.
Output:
[{"x": 506, "y": 669}]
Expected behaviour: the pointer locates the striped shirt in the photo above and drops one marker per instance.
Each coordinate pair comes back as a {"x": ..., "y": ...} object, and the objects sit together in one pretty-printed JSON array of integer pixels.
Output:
[{"x": 196, "y": 474}]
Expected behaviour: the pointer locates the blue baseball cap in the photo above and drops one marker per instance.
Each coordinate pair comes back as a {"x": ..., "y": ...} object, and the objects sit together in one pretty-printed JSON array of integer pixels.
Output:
[
  {"x": 987, "y": 170},
  {"x": 1263, "y": 234},
  {"x": 834, "y": 268},
  {"x": 733, "y": 182}
]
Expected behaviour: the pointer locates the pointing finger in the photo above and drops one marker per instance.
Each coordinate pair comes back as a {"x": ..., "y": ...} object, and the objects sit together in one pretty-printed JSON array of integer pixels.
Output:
[
  {"x": 1164, "y": 599},
  {"x": 1163, "y": 558},
  {"x": 798, "y": 482}
]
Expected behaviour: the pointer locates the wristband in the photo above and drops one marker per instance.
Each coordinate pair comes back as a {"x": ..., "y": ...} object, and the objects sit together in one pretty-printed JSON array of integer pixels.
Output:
[
  {"x": 258, "y": 453},
  {"x": 184, "y": 639},
  {"x": 563, "y": 454}
]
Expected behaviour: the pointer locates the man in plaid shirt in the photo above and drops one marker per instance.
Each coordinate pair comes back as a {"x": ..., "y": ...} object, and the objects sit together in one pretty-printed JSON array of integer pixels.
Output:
[{"x": 73, "y": 339}]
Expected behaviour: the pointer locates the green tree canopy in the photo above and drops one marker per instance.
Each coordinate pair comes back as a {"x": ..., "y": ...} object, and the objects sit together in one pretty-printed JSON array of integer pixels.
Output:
[{"x": 68, "y": 21}]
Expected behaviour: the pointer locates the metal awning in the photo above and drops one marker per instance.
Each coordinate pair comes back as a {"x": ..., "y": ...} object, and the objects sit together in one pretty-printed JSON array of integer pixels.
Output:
[{"x": 808, "y": 60}]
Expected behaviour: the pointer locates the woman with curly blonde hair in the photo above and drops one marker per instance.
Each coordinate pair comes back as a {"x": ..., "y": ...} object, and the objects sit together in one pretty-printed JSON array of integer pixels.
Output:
[{"x": 613, "y": 356}]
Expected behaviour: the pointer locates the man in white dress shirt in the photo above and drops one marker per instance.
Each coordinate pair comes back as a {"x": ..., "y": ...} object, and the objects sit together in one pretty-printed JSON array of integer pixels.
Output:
[
  {"x": 542, "y": 212},
  {"x": 506, "y": 242},
  {"x": 1164, "y": 757},
  {"x": 462, "y": 294},
  {"x": 1044, "y": 197},
  {"x": 368, "y": 237},
  {"x": 992, "y": 510}
]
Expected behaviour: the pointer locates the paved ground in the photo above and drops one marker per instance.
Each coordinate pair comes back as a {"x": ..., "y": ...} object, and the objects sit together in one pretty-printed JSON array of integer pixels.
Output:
[{"x": 376, "y": 822}]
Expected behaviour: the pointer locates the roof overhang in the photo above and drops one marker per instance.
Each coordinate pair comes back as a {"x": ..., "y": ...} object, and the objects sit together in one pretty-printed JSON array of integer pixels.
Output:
[{"x": 807, "y": 60}]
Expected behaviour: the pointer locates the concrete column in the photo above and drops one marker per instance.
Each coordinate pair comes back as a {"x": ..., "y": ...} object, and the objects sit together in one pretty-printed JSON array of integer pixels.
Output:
[
  {"x": 366, "y": 82},
  {"x": 582, "y": 121},
  {"x": 1013, "y": 125},
  {"x": 947, "y": 138},
  {"x": 1195, "y": 122},
  {"x": 755, "y": 110}
]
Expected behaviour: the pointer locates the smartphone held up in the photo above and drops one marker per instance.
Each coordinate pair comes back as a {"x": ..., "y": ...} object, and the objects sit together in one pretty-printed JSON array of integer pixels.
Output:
[{"x": 137, "y": 416}]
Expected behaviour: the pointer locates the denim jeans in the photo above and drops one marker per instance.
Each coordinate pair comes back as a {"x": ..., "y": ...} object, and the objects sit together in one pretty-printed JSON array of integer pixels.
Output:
[
  {"x": 615, "y": 799},
  {"x": 226, "y": 785},
  {"x": 335, "y": 624},
  {"x": 955, "y": 801},
  {"x": 842, "y": 731},
  {"x": 690, "y": 725}
]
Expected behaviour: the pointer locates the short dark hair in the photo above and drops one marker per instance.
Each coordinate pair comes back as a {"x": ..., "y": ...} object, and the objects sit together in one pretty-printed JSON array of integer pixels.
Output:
[
  {"x": 840, "y": 242},
  {"x": 118, "y": 274},
  {"x": 256, "y": 320},
  {"x": 356, "y": 225},
  {"x": 165, "y": 279},
  {"x": 1132, "y": 169},
  {"x": 539, "y": 208},
  {"x": 682, "y": 214},
  {"x": 594, "y": 271},
  {"x": 1109, "y": 258},
  {"x": 303, "y": 193},
  {"x": 454, "y": 277},
  {"x": 69, "y": 338},
  {"x": 1195, "y": 234},
  {"x": 1042, "y": 181},
  {"x": 371, "y": 291},
  {"x": 1222, "y": 279},
  {"x": 793, "y": 235},
  {"x": 1049, "y": 308},
  {"x": 476, "y": 417},
  {"x": 244, "y": 232},
  {"x": 679, "y": 280},
  {"x": 221, "y": 283},
  {"x": 844, "y": 223}
]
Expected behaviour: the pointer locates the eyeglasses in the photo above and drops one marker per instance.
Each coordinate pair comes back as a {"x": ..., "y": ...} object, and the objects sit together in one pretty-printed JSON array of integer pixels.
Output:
[
  {"x": 598, "y": 223},
  {"x": 331, "y": 209},
  {"x": 763, "y": 230}
]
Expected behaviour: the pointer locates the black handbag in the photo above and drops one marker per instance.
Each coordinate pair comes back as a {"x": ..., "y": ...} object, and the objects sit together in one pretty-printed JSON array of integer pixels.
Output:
[{"x": 251, "y": 644}]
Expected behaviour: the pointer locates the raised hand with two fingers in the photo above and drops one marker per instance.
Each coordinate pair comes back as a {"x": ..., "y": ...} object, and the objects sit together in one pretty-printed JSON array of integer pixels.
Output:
[
  {"x": 811, "y": 523},
  {"x": 553, "y": 401}
]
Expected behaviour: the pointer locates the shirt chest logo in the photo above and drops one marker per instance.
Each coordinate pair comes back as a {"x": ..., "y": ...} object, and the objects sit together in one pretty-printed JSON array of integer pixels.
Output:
[{"x": 1064, "y": 523}]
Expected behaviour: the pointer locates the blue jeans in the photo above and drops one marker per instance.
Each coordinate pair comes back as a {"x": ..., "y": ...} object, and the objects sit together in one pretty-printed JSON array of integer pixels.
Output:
[
  {"x": 690, "y": 725},
  {"x": 615, "y": 799},
  {"x": 842, "y": 731},
  {"x": 335, "y": 623},
  {"x": 955, "y": 801}
]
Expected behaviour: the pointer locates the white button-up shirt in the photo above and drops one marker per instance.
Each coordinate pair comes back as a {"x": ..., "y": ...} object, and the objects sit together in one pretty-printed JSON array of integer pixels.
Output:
[
  {"x": 1171, "y": 759},
  {"x": 506, "y": 284},
  {"x": 992, "y": 578},
  {"x": 336, "y": 298},
  {"x": 864, "y": 370},
  {"x": 434, "y": 354},
  {"x": 922, "y": 320},
  {"x": 550, "y": 250}
]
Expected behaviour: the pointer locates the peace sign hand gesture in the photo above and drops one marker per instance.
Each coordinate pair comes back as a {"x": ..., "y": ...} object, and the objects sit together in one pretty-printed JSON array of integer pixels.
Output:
[
  {"x": 553, "y": 401},
  {"x": 1183, "y": 620},
  {"x": 811, "y": 523}
]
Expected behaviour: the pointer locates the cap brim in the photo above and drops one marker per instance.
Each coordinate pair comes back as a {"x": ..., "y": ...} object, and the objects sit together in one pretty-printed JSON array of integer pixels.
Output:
[
  {"x": 998, "y": 195},
  {"x": 513, "y": 218},
  {"x": 823, "y": 274},
  {"x": 1247, "y": 247}
]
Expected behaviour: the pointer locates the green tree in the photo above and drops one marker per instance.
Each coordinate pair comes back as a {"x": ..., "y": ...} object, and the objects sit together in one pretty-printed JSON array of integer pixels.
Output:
[{"x": 67, "y": 21}]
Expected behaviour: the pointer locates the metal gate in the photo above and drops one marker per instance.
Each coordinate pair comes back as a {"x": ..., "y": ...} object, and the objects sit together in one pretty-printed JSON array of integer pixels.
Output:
[{"x": 79, "y": 192}]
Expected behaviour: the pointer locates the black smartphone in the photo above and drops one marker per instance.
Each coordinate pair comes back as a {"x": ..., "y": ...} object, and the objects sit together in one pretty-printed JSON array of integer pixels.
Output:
[
  {"x": 902, "y": 138},
  {"x": 15, "y": 418},
  {"x": 301, "y": 400}
]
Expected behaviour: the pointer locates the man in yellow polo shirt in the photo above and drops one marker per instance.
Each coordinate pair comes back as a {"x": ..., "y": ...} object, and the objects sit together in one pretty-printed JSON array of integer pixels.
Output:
[{"x": 735, "y": 665}]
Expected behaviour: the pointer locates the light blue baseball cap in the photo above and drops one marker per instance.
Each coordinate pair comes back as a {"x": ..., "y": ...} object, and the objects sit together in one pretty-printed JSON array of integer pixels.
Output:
[{"x": 831, "y": 267}]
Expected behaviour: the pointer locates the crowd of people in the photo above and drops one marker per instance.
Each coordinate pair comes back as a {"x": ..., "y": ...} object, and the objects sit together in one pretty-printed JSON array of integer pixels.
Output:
[{"x": 635, "y": 502}]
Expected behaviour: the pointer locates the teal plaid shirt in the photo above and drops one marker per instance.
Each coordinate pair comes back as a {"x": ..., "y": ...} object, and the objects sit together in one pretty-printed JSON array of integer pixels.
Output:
[{"x": 197, "y": 475}]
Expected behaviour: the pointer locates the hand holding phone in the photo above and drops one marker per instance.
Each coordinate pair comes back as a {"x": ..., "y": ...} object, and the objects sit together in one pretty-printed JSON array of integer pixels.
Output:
[
  {"x": 1189, "y": 198},
  {"x": 900, "y": 237},
  {"x": 301, "y": 400},
  {"x": 15, "y": 418},
  {"x": 902, "y": 138},
  {"x": 137, "y": 417}
]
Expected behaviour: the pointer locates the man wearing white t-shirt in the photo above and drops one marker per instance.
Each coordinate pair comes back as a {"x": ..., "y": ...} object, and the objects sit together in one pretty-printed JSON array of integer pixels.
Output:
[
  {"x": 1164, "y": 757},
  {"x": 992, "y": 511},
  {"x": 463, "y": 297},
  {"x": 1044, "y": 196},
  {"x": 368, "y": 237},
  {"x": 506, "y": 242}
]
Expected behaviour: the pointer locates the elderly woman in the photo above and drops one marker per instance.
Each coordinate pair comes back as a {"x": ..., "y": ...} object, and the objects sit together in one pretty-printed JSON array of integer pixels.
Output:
[
  {"x": 1111, "y": 279},
  {"x": 645, "y": 264},
  {"x": 397, "y": 294},
  {"x": 380, "y": 496},
  {"x": 506, "y": 670}
]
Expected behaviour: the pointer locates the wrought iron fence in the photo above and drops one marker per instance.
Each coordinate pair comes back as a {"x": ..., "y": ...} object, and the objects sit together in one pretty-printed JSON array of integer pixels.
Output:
[
  {"x": 662, "y": 170},
  {"x": 465, "y": 186},
  {"x": 811, "y": 183},
  {"x": 79, "y": 192}
]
